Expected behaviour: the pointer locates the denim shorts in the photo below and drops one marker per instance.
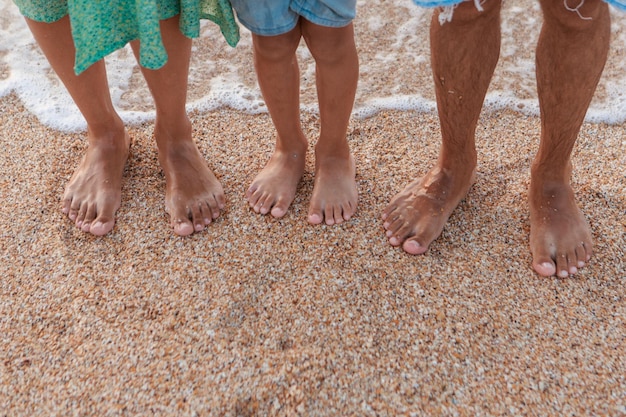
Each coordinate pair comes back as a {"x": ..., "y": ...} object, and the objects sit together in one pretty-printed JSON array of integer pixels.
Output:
[
  {"x": 275, "y": 17},
  {"x": 620, "y": 4}
]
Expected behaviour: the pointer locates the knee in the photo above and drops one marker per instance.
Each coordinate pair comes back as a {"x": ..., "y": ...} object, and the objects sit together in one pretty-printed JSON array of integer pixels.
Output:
[
  {"x": 276, "y": 48},
  {"x": 329, "y": 44},
  {"x": 575, "y": 15}
]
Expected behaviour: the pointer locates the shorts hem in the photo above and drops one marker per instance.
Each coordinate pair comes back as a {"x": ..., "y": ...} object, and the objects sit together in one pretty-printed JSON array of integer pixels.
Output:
[
  {"x": 271, "y": 31},
  {"x": 437, "y": 3}
]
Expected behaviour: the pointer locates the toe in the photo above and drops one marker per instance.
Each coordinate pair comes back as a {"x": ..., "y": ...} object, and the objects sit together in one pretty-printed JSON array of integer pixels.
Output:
[
  {"x": 183, "y": 228},
  {"x": 80, "y": 215},
  {"x": 252, "y": 197},
  {"x": 572, "y": 263},
  {"x": 413, "y": 247},
  {"x": 338, "y": 215},
  {"x": 66, "y": 205},
  {"x": 263, "y": 205},
  {"x": 315, "y": 218},
  {"x": 90, "y": 213},
  {"x": 562, "y": 269},
  {"x": 101, "y": 227},
  {"x": 214, "y": 207},
  {"x": 329, "y": 215},
  {"x": 581, "y": 255},
  {"x": 588, "y": 248},
  {"x": 315, "y": 214},
  {"x": 73, "y": 211},
  {"x": 206, "y": 213},
  {"x": 252, "y": 190},
  {"x": 544, "y": 259},
  {"x": 280, "y": 208},
  {"x": 348, "y": 211},
  {"x": 197, "y": 218},
  {"x": 181, "y": 224},
  {"x": 388, "y": 212},
  {"x": 545, "y": 267}
]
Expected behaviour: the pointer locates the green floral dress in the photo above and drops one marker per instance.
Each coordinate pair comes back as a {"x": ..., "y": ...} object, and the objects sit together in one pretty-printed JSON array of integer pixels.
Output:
[{"x": 100, "y": 27}]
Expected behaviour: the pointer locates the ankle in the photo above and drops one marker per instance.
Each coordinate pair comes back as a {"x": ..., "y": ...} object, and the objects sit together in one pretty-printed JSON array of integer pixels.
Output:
[
  {"x": 172, "y": 130},
  {"x": 332, "y": 149},
  {"x": 464, "y": 164},
  {"x": 112, "y": 132},
  {"x": 296, "y": 145},
  {"x": 541, "y": 173}
]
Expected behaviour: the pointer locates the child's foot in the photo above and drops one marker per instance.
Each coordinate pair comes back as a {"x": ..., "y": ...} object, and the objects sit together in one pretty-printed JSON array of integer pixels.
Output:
[
  {"x": 274, "y": 188},
  {"x": 560, "y": 240},
  {"x": 335, "y": 195},
  {"x": 193, "y": 195},
  {"x": 93, "y": 194},
  {"x": 417, "y": 215}
]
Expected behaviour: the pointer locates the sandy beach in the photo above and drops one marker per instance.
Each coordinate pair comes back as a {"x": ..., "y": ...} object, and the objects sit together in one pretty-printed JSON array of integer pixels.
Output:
[{"x": 258, "y": 316}]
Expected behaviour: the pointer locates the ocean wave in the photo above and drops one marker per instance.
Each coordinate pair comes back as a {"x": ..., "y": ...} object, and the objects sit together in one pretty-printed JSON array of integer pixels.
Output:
[{"x": 221, "y": 76}]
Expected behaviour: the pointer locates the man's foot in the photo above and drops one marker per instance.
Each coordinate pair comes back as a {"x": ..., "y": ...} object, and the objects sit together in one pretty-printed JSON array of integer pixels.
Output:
[
  {"x": 93, "y": 194},
  {"x": 560, "y": 239},
  {"x": 335, "y": 195},
  {"x": 417, "y": 215},
  {"x": 193, "y": 195},
  {"x": 274, "y": 188}
]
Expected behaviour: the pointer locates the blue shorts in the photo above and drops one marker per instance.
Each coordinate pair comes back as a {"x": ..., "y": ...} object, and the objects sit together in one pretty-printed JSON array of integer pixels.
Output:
[
  {"x": 621, "y": 4},
  {"x": 275, "y": 17}
]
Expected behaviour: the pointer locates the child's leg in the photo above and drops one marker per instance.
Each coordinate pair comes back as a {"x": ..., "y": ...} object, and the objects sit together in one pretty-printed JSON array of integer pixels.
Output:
[
  {"x": 93, "y": 194},
  {"x": 334, "y": 194},
  {"x": 193, "y": 196},
  {"x": 274, "y": 188}
]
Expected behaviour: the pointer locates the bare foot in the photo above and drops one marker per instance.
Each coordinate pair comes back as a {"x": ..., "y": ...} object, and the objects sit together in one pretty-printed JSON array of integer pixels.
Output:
[
  {"x": 335, "y": 195},
  {"x": 93, "y": 194},
  {"x": 193, "y": 195},
  {"x": 417, "y": 215},
  {"x": 274, "y": 188},
  {"x": 560, "y": 240}
]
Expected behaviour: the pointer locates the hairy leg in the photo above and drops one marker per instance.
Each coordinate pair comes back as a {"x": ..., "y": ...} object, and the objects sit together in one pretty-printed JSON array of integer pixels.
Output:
[
  {"x": 274, "y": 188},
  {"x": 93, "y": 194},
  {"x": 464, "y": 53},
  {"x": 571, "y": 54},
  {"x": 335, "y": 194},
  {"x": 193, "y": 195}
]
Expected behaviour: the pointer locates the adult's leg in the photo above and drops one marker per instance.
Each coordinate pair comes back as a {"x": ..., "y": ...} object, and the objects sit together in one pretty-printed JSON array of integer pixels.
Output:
[
  {"x": 335, "y": 194},
  {"x": 464, "y": 53},
  {"x": 274, "y": 188},
  {"x": 193, "y": 195},
  {"x": 93, "y": 194},
  {"x": 571, "y": 54}
]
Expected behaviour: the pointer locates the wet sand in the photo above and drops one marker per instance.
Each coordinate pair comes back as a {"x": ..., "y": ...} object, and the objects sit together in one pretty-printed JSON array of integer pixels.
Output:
[{"x": 257, "y": 316}]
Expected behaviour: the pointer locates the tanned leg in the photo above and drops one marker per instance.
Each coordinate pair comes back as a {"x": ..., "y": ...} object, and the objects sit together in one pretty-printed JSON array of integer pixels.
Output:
[
  {"x": 193, "y": 195},
  {"x": 571, "y": 54},
  {"x": 93, "y": 194},
  {"x": 335, "y": 194},
  {"x": 274, "y": 188},
  {"x": 464, "y": 53}
]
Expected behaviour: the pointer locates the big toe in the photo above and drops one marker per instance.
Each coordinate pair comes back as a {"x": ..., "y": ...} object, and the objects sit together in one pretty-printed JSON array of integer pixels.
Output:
[
  {"x": 413, "y": 247},
  {"x": 544, "y": 266},
  {"x": 101, "y": 227},
  {"x": 181, "y": 224},
  {"x": 315, "y": 215}
]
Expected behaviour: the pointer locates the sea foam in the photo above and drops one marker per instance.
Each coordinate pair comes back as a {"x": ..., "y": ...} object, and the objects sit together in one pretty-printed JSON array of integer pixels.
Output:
[{"x": 221, "y": 76}]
